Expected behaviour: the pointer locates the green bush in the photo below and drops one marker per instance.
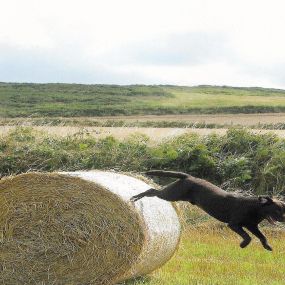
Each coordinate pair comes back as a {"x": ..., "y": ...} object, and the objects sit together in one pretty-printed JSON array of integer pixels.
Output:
[{"x": 237, "y": 160}]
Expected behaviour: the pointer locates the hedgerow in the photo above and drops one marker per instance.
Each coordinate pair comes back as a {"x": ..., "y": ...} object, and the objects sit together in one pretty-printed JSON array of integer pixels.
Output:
[{"x": 238, "y": 160}]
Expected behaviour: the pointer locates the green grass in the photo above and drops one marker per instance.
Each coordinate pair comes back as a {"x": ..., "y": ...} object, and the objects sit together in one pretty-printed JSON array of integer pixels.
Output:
[
  {"x": 209, "y": 253},
  {"x": 209, "y": 256},
  {"x": 71, "y": 100},
  {"x": 237, "y": 160}
]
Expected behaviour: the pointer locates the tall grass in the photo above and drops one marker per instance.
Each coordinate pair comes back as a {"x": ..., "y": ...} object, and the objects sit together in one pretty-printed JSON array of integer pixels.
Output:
[
  {"x": 122, "y": 122},
  {"x": 237, "y": 160}
]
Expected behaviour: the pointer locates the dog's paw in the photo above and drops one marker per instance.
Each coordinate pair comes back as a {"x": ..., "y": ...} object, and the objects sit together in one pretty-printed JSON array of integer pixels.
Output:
[
  {"x": 134, "y": 199},
  {"x": 245, "y": 243},
  {"x": 267, "y": 246}
]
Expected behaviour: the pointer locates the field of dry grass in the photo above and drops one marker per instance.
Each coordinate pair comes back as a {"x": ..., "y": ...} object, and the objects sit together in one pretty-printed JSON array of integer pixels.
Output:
[
  {"x": 234, "y": 119},
  {"x": 220, "y": 119},
  {"x": 154, "y": 134}
]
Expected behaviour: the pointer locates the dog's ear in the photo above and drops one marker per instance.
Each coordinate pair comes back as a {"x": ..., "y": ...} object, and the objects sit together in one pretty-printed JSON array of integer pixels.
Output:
[{"x": 265, "y": 200}]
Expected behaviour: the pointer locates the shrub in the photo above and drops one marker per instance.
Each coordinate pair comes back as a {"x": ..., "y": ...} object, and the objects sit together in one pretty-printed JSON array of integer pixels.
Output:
[{"x": 237, "y": 160}]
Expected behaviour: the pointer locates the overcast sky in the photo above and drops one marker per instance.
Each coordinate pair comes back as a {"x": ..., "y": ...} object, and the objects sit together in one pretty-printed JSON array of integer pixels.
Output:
[{"x": 218, "y": 42}]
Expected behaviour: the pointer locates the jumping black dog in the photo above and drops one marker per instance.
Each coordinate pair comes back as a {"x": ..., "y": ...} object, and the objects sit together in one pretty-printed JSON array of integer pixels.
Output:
[{"x": 237, "y": 211}]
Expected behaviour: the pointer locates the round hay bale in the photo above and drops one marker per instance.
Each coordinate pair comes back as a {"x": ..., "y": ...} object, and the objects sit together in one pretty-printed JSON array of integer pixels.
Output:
[{"x": 80, "y": 228}]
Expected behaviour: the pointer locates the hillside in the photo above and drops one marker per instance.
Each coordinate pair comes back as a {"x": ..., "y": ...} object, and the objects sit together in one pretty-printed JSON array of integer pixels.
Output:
[{"x": 71, "y": 100}]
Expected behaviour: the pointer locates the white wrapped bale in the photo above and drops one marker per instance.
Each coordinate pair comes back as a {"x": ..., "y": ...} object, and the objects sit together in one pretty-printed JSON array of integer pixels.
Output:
[{"x": 161, "y": 223}]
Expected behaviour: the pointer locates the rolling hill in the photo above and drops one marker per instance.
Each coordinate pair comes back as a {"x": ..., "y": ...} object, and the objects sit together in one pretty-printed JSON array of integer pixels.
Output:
[{"x": 73, "y": 100}]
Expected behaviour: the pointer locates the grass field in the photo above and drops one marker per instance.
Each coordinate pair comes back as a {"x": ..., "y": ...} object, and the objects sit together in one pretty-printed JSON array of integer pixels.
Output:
[
  {"x": 211, "y": 255},
  {"x": 71, "y": 100}
]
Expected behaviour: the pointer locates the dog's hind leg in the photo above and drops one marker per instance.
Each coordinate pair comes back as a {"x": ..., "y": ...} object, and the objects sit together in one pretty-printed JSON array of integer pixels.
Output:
[
  {"x": 240, "y": 231},
  {"x": 148, "y": 193},
  {"x": 255, "y": 230}
]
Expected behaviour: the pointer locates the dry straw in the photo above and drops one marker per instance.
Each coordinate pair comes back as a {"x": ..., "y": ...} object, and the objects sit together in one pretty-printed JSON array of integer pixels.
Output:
[{"x": 79, "y": 229}]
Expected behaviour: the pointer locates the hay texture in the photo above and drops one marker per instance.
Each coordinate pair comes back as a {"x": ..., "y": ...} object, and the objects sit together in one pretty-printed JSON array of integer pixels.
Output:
[{"x": 79, "y": 228}]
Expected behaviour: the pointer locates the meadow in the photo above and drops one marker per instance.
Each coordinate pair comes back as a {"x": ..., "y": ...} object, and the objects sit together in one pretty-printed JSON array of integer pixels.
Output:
[
  {"x": 210, "y": 255},
  {"x": 236, "y": 159},
  {"x": 73, "y": 100}
]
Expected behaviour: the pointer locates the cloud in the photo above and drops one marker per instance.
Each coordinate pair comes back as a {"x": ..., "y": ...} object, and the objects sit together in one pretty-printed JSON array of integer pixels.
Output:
[
  {"x": 33, "y": 65},
  {"x": 177, "y": 49},
  {"x": 152, "y": 42}
]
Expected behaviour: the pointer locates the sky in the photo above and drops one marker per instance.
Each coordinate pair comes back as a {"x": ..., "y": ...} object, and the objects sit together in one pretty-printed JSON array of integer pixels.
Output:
[{"x": 181, "y": 42}]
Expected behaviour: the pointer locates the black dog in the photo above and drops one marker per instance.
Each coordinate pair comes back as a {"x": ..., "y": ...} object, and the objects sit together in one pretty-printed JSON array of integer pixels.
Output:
[{"x": 235, "y": 210}]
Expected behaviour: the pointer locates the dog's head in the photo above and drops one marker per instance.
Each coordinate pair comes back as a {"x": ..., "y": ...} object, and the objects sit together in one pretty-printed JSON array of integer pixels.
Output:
[{"x": 272, "y": 209}]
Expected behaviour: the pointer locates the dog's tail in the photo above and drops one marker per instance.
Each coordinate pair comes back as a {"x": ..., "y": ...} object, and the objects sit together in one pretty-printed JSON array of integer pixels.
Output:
[{"x": 163, "y": 173}]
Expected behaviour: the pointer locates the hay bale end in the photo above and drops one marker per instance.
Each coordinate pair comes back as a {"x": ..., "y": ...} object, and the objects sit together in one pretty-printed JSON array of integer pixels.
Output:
[{"x": 80, "y": 228}]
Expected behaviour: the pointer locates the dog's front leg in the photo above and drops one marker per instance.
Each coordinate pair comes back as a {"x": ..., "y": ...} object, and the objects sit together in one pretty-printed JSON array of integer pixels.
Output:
[
  {"x": 255, "y": 230},
  {"x": 240, "y": 231},
  {"x": 148, "y": 193}
]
